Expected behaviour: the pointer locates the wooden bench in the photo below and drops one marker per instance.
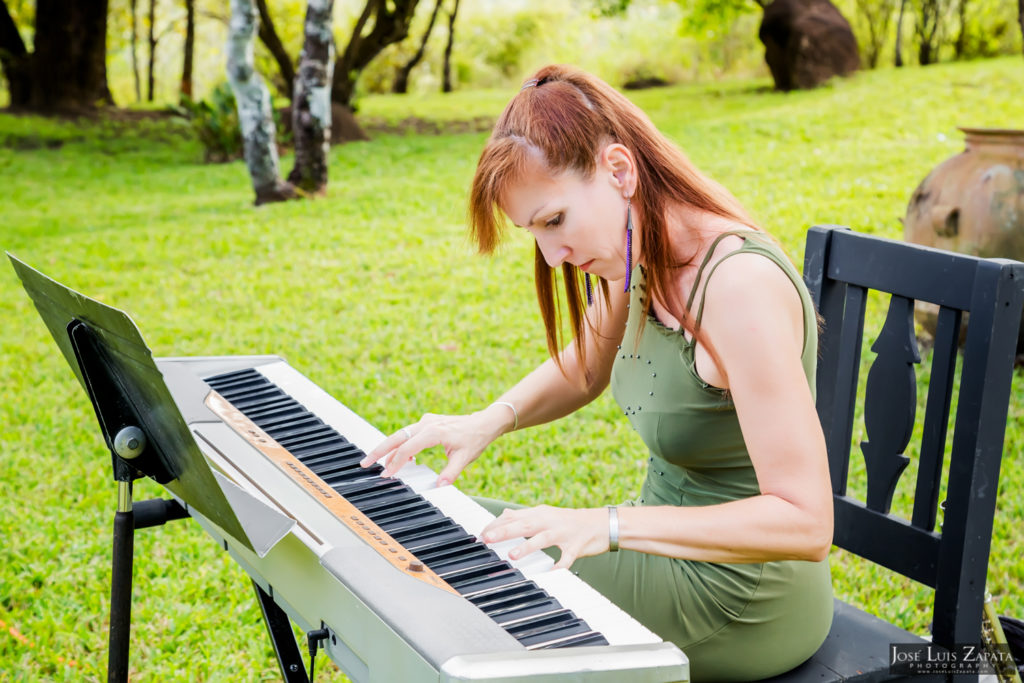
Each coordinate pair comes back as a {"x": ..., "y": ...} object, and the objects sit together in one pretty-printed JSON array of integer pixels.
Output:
[{"x": 840, "y": 267}]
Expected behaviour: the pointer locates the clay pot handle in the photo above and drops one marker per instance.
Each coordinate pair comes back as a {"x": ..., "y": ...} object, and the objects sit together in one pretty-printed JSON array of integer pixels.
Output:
[{"x": 945, "y": 220}]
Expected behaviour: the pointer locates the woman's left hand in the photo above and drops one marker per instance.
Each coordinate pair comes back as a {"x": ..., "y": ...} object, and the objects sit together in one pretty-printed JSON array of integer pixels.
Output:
[{"x": 576, "y": 532}]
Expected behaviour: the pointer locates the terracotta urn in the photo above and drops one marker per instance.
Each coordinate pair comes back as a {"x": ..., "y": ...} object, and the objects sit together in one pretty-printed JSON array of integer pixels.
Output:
[{"x": 972, "y": 203}]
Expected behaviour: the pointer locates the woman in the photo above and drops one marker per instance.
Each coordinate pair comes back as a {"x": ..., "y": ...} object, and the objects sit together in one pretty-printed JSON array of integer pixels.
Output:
[{"x": 708, "y": 338}]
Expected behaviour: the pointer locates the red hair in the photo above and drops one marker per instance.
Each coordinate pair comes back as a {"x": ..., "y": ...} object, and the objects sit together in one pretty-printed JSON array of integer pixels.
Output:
[{"x": 564, "y": 117}]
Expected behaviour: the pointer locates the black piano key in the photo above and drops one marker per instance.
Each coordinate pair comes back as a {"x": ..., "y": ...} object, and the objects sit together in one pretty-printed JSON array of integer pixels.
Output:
[
  {"x": 535, "y": 608},
  {"x": 328, "y": 449},
  {"x": 251, "y": 380},
  {"x": 332, "y": 446},
  {"x": 447, "y": 547},
  {"x": 289, "y": 424},
  {"x": 391, "y": 502},
  {"x": 414, "y": 544},
  {"x": 327, "y": 466},
  {"x": 256, "y": 399},
  {"x": 526, "y": 611},
  {"x": 500, "y": 578},
  {"x": 486, "y": 576},
  {"x": 547, "y": 629},
  {"x": 475, "y": 557},
  {"x": 548, "y": 639},
  {"x": 241, "y": 395},
  {"x": 353, "y": 491},
  {"x": 419, "y": 518},
  {"x": 591, "y": 638},
  {"x": 294, "y": 441},
  {"x": 354, "y": 479},
  {"x": 504, "y": 593},
  {"x": 388, "y": 499},
  {"x": 514, "y": 599},
  {"x": 284, "y": 406},
  {"x": 404, "y": 512},
  {"x": 225, "y": 377}
]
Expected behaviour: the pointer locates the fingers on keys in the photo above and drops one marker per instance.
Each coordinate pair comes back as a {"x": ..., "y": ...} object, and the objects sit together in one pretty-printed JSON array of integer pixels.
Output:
[{"x": 388, "y": 448}]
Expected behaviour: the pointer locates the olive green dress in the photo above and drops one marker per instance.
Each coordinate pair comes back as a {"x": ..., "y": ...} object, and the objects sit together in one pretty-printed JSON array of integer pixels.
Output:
[{"x": 735, "y": 622}]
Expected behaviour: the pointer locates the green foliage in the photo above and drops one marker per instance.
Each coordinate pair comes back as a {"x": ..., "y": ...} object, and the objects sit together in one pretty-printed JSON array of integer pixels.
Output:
[
  {"x": 375, "y": 293},
  {"x": 215, "y": 122}
]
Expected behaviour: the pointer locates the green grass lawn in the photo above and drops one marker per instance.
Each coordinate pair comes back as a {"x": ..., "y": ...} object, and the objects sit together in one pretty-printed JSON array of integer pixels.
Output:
[{"x": 375, "y": 293}]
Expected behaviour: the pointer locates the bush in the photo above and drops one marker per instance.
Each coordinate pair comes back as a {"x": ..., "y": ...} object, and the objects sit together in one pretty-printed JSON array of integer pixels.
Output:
[{"x": 215, "y": 122}]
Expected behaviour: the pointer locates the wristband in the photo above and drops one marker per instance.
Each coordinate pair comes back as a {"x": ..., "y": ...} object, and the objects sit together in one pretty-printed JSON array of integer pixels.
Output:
[
  {"x": 613, "y": 529},
  {"x": 515, "y": 413}
]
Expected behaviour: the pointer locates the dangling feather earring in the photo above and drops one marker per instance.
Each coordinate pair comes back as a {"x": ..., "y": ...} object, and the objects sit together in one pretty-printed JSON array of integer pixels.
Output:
[
  {"x": 629, "y": 244},
  {"x": 590, "y": 292}
]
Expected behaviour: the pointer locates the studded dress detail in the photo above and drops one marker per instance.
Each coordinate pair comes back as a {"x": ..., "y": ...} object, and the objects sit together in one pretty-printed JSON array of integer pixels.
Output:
[{"x": 734, "y": 621}]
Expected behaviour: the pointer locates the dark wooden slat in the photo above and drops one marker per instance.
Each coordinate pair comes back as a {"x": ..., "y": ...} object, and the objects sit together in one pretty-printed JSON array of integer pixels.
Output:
[
  {"x": 936, "y": 419},
  {"x": 980, "y": 427},
  {"x": 886, "y": 540},
  {"x": 909, "y": 270}
]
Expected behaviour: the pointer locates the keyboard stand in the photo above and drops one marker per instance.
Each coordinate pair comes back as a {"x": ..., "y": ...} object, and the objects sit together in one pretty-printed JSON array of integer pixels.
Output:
[
  {"x": 127, "y": 444},
  {"x": 279, "y": 628}
]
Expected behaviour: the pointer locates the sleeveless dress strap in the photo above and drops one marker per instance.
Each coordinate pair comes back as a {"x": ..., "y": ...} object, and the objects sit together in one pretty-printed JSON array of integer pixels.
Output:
[{"x": 703, "y": 265}]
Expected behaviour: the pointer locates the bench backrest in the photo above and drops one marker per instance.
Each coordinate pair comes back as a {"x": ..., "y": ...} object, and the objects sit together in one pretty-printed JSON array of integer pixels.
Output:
[{"x": 840, "y": 267}]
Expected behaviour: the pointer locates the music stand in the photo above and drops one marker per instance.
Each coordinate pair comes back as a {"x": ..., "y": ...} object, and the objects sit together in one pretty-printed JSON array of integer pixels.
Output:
[{"x": 142, "y": 428}]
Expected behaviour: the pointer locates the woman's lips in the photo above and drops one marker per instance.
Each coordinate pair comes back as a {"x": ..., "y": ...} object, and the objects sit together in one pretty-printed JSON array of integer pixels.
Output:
[{"x": 586, "y": 265}]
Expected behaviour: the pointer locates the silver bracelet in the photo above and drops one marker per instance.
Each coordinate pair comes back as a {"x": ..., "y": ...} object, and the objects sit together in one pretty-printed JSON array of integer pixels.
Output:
[
  {"x": 515, "y": 413},
  {"x": 613, "y": 528}
]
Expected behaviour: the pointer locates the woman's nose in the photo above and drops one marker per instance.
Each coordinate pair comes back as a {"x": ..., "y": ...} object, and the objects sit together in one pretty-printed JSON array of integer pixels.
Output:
[{"x": 554, "y": 253}]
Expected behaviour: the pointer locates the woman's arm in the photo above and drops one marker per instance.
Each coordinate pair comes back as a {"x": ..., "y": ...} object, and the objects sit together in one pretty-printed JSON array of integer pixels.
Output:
[
  {"x": 753, "y": 319},
  {"x": 542, "y": 396}
]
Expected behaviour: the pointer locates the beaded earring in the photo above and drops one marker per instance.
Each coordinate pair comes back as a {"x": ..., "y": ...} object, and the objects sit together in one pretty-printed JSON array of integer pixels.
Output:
[
  {"x": 629, "y": 244},
  {"x": 590, "y": 291}
]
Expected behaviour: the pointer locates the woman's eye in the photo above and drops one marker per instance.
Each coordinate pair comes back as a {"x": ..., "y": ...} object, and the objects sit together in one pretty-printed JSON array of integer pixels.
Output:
[{"x": 554, "y": 220}]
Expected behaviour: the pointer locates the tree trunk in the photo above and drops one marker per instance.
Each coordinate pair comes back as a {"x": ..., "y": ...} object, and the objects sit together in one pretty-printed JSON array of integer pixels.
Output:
[
  {"x": 311, "y": 105},
  {"x": 268, "y": 35},
  {"x": 926, "y": 27},
  {"x": 150, "y": 79},
  {"x": 898, "y": 60},
  {"x": 135, "y": 50},
  {"x": 15, "y": 60},
  {"x": 446, "y": 83},
  {"x": 401, "y": 84},
  {"x": 190, "y": 48},
  {"x": 255, "y": 116},
  {"x": 961, "y": 37},
  {"x": 389, "y": 26},
  {"x": 879, "y": 16},
  {"x": 69, "y": 65},
  {"x": 1020, "y": 17}
]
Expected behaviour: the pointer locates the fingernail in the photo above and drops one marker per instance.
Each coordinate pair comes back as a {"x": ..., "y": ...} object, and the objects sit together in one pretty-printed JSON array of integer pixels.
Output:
[{"x": 364, "y": 462}]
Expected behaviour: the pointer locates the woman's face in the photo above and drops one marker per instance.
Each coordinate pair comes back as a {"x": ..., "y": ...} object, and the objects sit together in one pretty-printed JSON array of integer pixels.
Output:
[{"x": 575, "y": 220}]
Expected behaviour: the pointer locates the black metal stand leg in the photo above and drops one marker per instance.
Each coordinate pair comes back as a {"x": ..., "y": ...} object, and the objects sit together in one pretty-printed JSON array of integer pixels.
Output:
[
  {"x": 280, "y": 630},
  {"x": 121, "y": 585}
]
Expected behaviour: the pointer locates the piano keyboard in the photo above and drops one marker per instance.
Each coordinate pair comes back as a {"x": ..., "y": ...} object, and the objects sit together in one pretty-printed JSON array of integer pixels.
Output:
[
  {"x": 521, "y": 607},
  {"x": 289, "y": 447}
]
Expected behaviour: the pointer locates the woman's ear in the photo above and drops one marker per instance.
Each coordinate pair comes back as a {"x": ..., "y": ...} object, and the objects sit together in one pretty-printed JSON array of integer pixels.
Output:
[{"x": 618, "y": 161}]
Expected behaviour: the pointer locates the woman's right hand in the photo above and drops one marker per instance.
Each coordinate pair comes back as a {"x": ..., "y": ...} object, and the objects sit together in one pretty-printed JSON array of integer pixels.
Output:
[{"x": 464, "y": 437}]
